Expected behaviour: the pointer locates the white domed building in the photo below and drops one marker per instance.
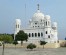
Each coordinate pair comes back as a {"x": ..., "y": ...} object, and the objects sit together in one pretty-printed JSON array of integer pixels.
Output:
[{"x": 39, "y": 28}]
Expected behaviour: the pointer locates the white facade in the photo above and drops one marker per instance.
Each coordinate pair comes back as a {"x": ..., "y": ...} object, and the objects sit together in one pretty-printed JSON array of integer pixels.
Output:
[{"x": 39, "y": 28}]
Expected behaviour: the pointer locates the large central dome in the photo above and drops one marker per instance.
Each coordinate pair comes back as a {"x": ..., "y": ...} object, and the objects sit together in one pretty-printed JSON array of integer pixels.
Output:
[{"x": 38, "y": 16}]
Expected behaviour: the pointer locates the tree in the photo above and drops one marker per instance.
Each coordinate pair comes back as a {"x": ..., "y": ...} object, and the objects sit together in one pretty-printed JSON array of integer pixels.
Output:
[
  {"x": 21, "y": 36},
  {"x": 31, "y": 46},
  {"x": 15, "y": 43},
  {"x": 5, "y": 39},
  {"x": 43, "y": 43},
  {"x": 12, "y": 36}
]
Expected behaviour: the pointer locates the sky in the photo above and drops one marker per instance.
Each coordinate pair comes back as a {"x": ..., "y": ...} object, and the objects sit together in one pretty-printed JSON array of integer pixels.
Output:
[{"x": 13, "y": 9}]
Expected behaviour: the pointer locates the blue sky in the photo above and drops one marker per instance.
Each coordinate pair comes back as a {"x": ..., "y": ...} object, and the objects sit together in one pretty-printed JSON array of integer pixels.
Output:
[{"x": 13, "y": 9}]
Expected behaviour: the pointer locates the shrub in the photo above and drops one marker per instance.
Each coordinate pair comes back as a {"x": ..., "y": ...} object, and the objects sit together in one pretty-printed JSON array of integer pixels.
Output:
[
  {"x": 15, "y": 42},
  {"x": 43, "y": 43},
  {"x": 31, "y": 46}
]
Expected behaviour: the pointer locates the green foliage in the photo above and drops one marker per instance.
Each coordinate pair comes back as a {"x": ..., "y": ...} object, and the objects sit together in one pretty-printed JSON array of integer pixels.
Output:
[
  {"x": 21, "y": 36},
  {"x": 12, "y": 36},
  {"x": 6, "y": 38},
  {"x": 31, "y": 46},
  {"x": 42, "y": 43},
  {"x": 15, "y": 42}
]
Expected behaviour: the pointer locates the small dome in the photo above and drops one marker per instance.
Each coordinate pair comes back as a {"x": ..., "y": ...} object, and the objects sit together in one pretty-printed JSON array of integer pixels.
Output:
[
  {"x": 18, "y": 21},
  {"x": 38, "y": 16},
  {"x": 30, "y": 20},
  {"x": 54, "y": 24},
  {"x": 47, "y": 16}
]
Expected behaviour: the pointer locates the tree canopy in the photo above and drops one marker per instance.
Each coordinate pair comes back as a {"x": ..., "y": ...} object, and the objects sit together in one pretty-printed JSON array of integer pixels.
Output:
[
  {"x": 6, "y": 38},
  {"x": 43, "y": 43},
  {"x": 21, "y": 36}
]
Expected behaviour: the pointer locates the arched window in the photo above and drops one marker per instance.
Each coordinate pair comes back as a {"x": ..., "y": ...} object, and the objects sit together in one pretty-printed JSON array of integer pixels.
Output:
[
  {"x": 35, "y": 23},
  {"x": 29, "y": 35},
  {"x": 32, "y": 35},
  {"x": 46, "y": 32},
  {"x": 46, "y": 23},
  {"x": 35, "y": 34},
  {"x": 41, "y": 34},
  {"x": 38, "y": 26},
  {"x": 33, "y": 26},
  {"x": 48, "y": 36},
  {"x": 18, "y": 25},
  {"x": 41, "y": 20},
  {"x": 49, "y": 23},
  {"x": 38, "y": 34}
]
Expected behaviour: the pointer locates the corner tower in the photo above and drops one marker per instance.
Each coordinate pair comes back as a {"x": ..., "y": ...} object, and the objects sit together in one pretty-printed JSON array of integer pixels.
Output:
[
  {"x": 54, "y": 27},
  {"x": 47, "y": 29},
  {"x": 17, "y": 25}
]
